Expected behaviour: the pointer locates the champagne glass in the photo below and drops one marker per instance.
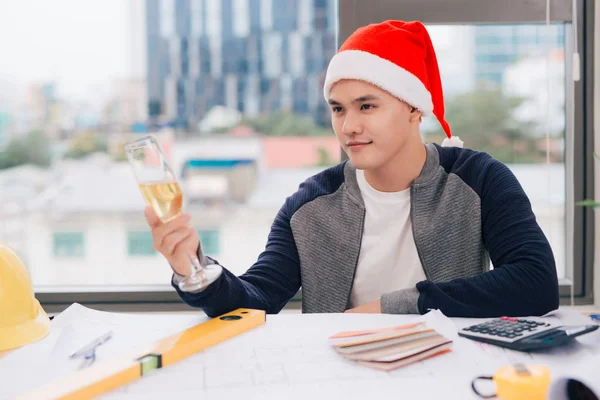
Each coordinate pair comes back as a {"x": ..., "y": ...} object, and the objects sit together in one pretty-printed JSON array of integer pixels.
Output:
[{"x": 162, "y": 191}]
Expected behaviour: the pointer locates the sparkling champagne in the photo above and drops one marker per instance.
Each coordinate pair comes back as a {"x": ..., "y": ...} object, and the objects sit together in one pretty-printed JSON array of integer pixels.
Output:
[
  {"x": 165, "y": 198},
  {"x": 163, "y": 193}
]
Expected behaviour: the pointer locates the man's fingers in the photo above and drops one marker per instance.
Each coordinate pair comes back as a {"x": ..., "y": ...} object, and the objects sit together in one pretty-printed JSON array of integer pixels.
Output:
[
  {"x": 189, "y": 243},
  {"x": 179, "y": 260},
  {"x": 164, "y": 230},
  {"x": 171, "y": 241},
  {"x": 152, "y": 218}
]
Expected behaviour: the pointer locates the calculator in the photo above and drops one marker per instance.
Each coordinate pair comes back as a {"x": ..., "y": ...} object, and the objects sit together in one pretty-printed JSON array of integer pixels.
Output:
[{"x": 523, "y": 334}]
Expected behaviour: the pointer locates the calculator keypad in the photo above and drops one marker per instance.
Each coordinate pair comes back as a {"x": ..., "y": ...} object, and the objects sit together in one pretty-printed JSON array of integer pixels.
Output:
[{"x": 507, "y": 329}]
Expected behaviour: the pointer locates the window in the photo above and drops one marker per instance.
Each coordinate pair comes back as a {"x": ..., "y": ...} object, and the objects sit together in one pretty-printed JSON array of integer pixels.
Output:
[
  {"x": 220, "y": 83},
  {"x": 68, "y": 244},
  {"x": 496, "y": 103},
  {"x": 509, "y": 92},
  {"x": 140, "y": 243},
  {"x": 210, "y": 241}
]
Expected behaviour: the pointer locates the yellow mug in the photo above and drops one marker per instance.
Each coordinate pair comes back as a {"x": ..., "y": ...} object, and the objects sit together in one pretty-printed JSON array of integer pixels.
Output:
[{"x": 518, "y": 382}]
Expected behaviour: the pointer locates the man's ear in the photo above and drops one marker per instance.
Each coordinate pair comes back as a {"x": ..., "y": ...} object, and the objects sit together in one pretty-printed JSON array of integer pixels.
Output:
[{"x": 416, "y": 115}]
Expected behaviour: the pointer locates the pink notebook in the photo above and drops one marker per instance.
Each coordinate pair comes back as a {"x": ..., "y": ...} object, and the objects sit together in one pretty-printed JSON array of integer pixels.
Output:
[{"x": 390, "y": 348}]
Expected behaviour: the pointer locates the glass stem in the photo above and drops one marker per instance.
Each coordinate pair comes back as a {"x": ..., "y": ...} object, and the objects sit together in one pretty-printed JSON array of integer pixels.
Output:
[{"x": 194, "y": 264}]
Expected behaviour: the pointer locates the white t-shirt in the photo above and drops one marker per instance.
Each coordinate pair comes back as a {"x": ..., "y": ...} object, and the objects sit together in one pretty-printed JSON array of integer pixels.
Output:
[{"x": 388, "y": 258}]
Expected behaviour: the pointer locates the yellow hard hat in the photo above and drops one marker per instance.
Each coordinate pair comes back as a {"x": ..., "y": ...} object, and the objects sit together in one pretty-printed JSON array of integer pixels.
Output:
[{"x": 22, "y": 318}]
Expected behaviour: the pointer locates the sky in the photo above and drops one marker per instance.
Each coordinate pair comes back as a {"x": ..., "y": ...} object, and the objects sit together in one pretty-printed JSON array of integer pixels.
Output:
[
  {"x": 79, "y": 44},
  {"x": 84, "y": 45}
]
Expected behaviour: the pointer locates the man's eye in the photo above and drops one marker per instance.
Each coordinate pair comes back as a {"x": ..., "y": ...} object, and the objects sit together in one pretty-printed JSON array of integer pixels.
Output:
[{"x": 367, "y": 106}]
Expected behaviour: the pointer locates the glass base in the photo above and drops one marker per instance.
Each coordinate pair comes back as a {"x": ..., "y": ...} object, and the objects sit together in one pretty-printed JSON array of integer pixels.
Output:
[{"x": 201, "y": 279}]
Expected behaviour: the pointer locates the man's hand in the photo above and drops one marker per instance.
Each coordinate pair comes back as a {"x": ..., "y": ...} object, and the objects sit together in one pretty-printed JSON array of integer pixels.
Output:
[
  {"x": 373, "y": 307},
  {"x": 174, "y": 240}
]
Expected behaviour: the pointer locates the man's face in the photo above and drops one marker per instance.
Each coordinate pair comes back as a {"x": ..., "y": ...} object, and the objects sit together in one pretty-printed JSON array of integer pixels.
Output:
[{"x": 371, "y": 125}]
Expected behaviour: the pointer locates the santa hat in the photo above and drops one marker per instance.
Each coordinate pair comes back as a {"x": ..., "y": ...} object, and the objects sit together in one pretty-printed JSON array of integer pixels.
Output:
[{"x": 399, "y": 58}]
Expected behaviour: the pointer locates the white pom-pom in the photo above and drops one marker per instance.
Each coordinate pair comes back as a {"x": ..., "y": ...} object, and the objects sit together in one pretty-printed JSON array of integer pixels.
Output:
[{"x": 454, "y": 141}]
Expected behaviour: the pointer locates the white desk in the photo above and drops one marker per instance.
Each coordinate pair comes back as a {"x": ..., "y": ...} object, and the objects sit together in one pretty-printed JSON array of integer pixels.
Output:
[{"x": 289, "y": 358}]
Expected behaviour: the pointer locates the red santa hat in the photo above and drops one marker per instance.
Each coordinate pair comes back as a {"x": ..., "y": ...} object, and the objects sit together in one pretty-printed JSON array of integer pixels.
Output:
[{"x": 399, "y": 58}]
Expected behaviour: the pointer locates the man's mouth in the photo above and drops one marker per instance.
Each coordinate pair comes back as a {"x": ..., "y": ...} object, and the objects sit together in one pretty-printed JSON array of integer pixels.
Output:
[{"x": 355, "y": 146}]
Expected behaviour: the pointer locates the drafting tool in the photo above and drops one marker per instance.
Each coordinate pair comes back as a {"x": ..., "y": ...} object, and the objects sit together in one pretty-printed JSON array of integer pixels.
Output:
[
  {"x": 105, "y": 376},
  {"x": 92, "y": 345}
]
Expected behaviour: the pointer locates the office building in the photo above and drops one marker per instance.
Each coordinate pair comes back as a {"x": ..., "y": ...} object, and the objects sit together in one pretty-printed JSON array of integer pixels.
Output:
[
  {"x": 255, "y": 56},
  {"x": 499, "y": 46}
]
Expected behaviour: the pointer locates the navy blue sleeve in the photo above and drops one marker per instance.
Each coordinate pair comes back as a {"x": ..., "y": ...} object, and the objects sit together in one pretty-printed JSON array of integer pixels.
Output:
[
  {"x": 524, "y": 280},
  {"x": 268, "y": 285},
  {"x": 275, "y": 277}
]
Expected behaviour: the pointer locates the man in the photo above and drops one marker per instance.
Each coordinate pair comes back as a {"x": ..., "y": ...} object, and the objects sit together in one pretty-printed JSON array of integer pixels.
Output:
[{"x": 403, "y": 226}]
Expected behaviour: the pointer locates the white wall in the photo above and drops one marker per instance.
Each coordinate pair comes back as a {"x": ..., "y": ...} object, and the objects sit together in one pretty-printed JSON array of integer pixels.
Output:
[
  {"x": 243, "y": 235},
  {"x": 106, "y": 261}
]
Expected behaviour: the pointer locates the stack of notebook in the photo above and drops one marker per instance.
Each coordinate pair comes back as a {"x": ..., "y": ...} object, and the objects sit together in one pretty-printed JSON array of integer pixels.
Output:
[{"x": 390, "y": 348}]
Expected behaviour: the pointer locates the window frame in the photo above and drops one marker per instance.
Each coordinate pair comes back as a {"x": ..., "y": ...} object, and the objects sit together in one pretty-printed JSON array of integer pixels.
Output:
[
  {"x": 582, "y": 178},
  {"x": 580, "y": 184}
]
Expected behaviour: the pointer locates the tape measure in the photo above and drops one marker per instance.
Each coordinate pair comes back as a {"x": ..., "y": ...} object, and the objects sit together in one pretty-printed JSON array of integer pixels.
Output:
[
  {"x": 106, "y": 376},
  {"x": 518, "y": 382}
]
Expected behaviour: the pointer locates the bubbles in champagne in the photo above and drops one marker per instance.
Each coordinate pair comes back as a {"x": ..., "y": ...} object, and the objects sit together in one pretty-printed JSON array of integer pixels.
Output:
[{"x": 165, "y": 198}]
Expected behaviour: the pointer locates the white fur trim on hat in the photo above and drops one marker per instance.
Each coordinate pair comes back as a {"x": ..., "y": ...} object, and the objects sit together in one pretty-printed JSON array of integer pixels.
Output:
[
  {"x": 454, "y": 141},
  {"x": 360, "y": 65}
]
